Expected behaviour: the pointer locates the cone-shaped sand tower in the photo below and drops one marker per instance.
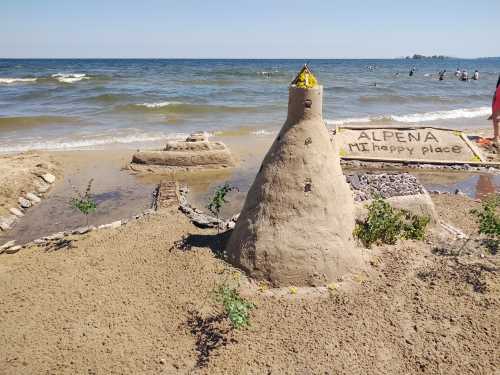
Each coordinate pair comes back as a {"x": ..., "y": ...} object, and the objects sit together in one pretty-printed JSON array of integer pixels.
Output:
[{"x": 297, "y": 221}]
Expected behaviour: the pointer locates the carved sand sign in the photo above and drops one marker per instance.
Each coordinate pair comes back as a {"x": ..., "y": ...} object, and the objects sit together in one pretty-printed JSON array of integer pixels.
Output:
[{"x": 427, "y": 145}]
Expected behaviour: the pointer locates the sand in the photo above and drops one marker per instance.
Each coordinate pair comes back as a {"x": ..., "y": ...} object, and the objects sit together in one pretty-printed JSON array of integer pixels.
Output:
[
  {"x": 123, "y": 301},
  {"x": 18, "y": 174}
]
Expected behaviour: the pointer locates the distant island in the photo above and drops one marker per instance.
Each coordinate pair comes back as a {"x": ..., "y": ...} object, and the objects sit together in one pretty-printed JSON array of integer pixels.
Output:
[{"x": 421, "y": 57}]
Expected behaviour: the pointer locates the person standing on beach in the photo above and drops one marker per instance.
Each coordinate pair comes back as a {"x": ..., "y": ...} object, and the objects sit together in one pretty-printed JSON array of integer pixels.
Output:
[
  {"x": 476, "y": 76},
  {"x": 495, "y": 115}
]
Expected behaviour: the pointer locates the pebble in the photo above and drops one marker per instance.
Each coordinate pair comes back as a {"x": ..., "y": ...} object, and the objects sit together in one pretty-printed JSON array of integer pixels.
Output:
[
  {"x": 39, "y": 241},
  {"x": 16, "y": 211},
  {"x": 33, "y": 198},
  {"x": 6, "y": 222},
  {"x": 7, "y": 245},
  {"x": 24, "y": 203},
  {"x": 42, "y": 187},
  {"x": 55, "y": 236},
  {"x": 13, "y": 249},
  {"x": 49, "y": 178},
  {"x": 82, "y": 230},
  {"x": 114, "y": 224}
]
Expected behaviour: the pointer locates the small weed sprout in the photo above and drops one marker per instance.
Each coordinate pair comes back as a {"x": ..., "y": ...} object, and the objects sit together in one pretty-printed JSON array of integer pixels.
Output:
[
  {"x": 488, "y": 219},
  {"x": 386, "y": 224},
  {"x": 236, "y": 307},
  {"x": 84, "y": 202},
  {"x": 219, "y": 199}
]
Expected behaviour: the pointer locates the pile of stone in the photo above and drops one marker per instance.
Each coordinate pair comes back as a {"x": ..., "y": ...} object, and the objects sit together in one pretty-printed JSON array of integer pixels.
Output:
[
  {"x": 42, "y": 184},
  {"x": 385, "y": 185},
  {"x": 195, "y": 153}
]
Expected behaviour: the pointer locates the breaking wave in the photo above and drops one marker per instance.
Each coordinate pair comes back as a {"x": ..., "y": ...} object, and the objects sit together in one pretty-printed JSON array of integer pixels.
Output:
[
  {"x": 70, "y": 77},
  {"x": 463, "y": 113},
  {"x": 92, "y": 142},
  {"x": 17, "y": 80},
  {"x": 184, "y": 108}
]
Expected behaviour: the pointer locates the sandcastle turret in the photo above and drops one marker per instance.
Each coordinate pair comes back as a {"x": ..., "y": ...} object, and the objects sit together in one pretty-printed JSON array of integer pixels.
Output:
[{"x": 297, "y": 221}]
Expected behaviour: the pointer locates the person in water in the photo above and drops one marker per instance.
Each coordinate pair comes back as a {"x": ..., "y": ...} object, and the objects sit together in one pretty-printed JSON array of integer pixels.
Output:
[
  {"x": 475, "y": 77},
  {"x": 412, "y": 71},
  {"x": 495, "y": 115},
  {"x": 464, "y": 76},
  {"x": 442, "y": 75},
  {"x": 458, "y": 73}
]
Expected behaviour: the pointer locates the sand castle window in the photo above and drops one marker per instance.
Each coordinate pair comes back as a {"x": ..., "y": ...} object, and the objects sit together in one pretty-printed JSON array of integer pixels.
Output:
[{"x": 308, "y": 103}]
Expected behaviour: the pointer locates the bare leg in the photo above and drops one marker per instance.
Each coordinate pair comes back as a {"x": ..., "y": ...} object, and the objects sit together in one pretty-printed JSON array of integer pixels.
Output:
[{"x": 496, "y": 129}]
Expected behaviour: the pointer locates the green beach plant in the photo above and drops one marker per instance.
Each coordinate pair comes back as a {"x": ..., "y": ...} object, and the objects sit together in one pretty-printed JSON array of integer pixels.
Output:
[
  {"x": 488, "y": 219},
  {"x": 83, "y": 201},
  {"x": 236, "y": 308},
  {"x": 386, "y": 224},
  {"x": 219, "y": 199}
]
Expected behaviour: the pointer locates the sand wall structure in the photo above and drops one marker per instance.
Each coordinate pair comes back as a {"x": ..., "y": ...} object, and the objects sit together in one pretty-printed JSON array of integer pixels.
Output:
[{"x": 297, "y": 221}]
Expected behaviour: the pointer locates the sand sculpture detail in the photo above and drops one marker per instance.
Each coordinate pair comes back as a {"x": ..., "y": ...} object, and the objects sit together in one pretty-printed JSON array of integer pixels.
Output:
[
  {"x": 297, "y": 221},
  {"x": 196, "y": 152}
]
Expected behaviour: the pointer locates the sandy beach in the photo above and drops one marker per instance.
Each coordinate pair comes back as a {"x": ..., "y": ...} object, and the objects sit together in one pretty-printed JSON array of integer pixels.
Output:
[{"x": 135, "y": 287}]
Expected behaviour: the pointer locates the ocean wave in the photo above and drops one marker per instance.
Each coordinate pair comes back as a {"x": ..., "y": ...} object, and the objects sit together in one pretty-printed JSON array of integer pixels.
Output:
[
  {"x": 17, "y": 80},
  {"x": 444, "y": 115},
  {"x": 413, "y": 118},
  {"x": 70, "y": 77},
  {"x": 158, "y": 104},
  {"x": 27, "y": 121},
  {"x": 184, "y": 108},
  {"x": 400, "y": 99},
  {"x": 65, "y": 144}
]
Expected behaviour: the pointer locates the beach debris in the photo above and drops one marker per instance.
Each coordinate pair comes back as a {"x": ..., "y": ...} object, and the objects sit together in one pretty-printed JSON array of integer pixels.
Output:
[
  {"x": 13, "y": 249},
  {"x": 7, "y": 245},
  {"x": 196, "y": 152},
  {"x": 48, "y": 178},
  {"x": 114, "y": 224},
  {"x": 41, "y": 186},
  {"x": 33, "y": 198},
  {"x": 290, "y": 233},
  {"x": 6, "y": 222},
  {"x": 16, "y": 211},
  {"x": 24, "y": 203}
]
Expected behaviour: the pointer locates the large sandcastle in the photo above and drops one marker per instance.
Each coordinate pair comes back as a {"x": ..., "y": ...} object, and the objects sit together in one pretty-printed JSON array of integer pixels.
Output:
[
  {"x": 196, "y": 152},
  {"x": 297, "y": 221}
]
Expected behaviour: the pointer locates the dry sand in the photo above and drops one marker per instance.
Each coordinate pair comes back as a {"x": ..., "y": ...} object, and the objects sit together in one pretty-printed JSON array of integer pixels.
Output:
[{"x": 125, "y": 301}]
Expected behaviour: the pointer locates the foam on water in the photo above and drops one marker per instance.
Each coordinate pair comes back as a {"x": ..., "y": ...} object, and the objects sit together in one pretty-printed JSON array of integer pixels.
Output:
[
  {"x": 65, "y": 144},
  {"x": 158, "y": 104},
  {"x": 69, "y": 77},
  {"x": 17, "y": 80},
  {"x": 413, "y": 118}
]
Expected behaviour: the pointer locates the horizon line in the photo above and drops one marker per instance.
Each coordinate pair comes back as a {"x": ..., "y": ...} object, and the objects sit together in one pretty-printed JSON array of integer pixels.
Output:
[{"x": 254, "y": 58}]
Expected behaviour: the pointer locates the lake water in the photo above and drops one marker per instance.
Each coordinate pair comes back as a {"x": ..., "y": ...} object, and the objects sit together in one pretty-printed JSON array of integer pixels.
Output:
[{"x": 68, "y": 104}]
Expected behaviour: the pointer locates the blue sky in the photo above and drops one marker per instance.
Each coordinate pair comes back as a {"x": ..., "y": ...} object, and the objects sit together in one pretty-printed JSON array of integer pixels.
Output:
[{"x": 248, "y": 29}]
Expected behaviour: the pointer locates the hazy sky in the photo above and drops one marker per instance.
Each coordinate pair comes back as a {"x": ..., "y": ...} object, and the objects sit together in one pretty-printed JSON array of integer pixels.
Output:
[{"x": 248, "y": 29}]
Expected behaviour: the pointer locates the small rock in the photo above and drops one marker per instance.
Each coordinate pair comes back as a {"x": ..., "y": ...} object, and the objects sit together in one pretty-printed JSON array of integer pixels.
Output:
[
  {"x": 162, "y": 361},
  {"x": 39, "y": 241},
  {"x": 7, "y": 245},
  {"x": 6, "y": 222},
  {"x": 114, "y": 224},
  {"x": 55, "y": 236},
  {"x": 33, "y": 198},
  {"x": 13, "y": 249},
  {"x": 16, "y": 211},
  {"x": 49, "y": 178},
  {"x": 82, "y": 230},
  {"x": 24, "y": 203},
  {"x": 42, "y": 187}
]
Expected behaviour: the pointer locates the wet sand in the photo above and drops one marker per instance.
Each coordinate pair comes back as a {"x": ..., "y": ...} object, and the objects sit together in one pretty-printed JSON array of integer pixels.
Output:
[{"x": 120, "y": 193}]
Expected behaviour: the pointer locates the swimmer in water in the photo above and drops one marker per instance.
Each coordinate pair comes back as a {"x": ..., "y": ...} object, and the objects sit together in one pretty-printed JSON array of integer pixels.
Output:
[
  {"x": 442, "y": 74},
  {"x": 412, "y": 71}
]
